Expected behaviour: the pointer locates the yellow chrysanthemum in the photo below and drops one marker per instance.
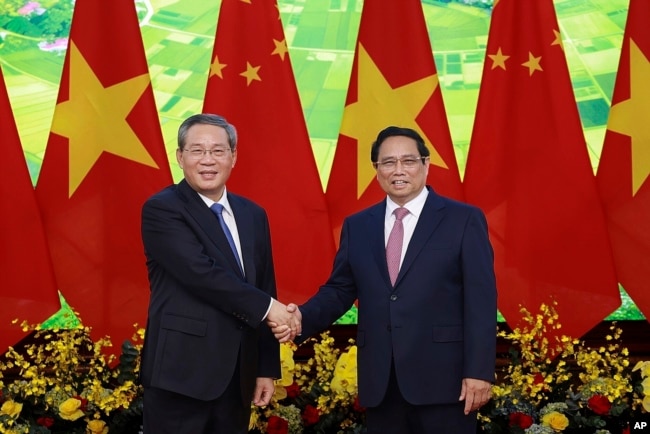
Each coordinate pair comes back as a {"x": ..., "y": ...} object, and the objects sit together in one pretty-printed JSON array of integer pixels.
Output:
[
  {"x": 345, "y": 373},
  {"x": 96, "y": 426},
  {"x": 556, "y": 421},
  {"x": 287, "y": 364},
  {"x": 11, "y": 408},
  {"x": 70, "y": 409}
]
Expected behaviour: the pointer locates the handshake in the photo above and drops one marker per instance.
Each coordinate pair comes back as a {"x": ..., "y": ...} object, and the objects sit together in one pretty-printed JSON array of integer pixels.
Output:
[{"x": 285, "y": 321}]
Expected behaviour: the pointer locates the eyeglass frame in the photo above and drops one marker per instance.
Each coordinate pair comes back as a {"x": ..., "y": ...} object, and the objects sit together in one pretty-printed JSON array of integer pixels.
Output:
[
  {"x": 381, "y": 165},
  {"x": 194, "y": 156}
]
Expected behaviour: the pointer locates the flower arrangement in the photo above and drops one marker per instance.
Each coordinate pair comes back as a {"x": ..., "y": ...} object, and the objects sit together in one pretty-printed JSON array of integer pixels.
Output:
[
  {"x": 315, "y": 396},
  {"x": 555, "y": 383},
  {"x": 64, "y": 382}
]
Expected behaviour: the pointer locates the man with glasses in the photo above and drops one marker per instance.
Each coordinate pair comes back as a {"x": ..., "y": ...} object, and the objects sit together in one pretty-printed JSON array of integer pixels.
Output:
[
  {"x": 421, "y": 268},
  {"x": 207, "y": 353}
]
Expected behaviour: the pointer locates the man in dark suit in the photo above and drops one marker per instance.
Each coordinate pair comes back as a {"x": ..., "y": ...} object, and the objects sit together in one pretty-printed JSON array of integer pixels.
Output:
[
  {"x": 207, "y": 353},
  {"x": 421, "y": 267}
]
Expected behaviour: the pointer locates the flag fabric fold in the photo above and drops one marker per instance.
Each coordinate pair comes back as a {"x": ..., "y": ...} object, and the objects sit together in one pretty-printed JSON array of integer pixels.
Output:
[
  {"x": 251, "y": 84},
  {"x": 105, "y": 155},
  {"x": 624, "y": 168},
  {"x": 393, "y": 82},
  {"x": 27, "y": 286},
  {"x": 529, "y": 170}
]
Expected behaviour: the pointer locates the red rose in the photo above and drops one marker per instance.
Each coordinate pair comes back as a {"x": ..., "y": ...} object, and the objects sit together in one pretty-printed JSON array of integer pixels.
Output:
[
  {"x": 310, "y": 415},
  {"x": 293, "y": 390},
  {"x": 599, "y": 404},
  {"x": 522, "y": 420},
  {"x": 45, "y": 421},
  {"x": 357, "y": 407},
  {"x": 277, "y": 425},
  {"x": 84, "y": 403}
]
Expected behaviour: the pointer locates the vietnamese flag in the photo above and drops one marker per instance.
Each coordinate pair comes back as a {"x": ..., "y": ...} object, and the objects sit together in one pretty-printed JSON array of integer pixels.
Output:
[
  {"x": 624, "y": 169},
  {"x": 393, "y": 82},
  {"x": 529, "y": 170},
  {"x": 27, "y": 286},
  {"x": 251, "y": 84},
  {"x": 105, "y": 155}
]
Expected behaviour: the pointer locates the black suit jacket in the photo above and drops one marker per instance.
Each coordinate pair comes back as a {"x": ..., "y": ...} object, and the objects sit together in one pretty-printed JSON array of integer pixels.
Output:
[
  {"x": 202, "y": 313},
  {"x": 438, "y": 323}
]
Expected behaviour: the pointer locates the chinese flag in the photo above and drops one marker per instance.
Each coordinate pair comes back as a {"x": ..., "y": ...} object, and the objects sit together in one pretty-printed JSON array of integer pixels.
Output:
[
  {"x": 251, "y": 84},
  {"x": 529, "y": 170},
  {"x": 624, "y": 169},
  {"x": 393, "y": 82},
  {"x": 27, "y": 286},
  {"x": 105, "y": 155}
]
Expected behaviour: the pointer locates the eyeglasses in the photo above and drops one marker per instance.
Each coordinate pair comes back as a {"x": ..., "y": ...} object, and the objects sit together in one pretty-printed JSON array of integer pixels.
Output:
[
  {"x": 408, "y": 162},
  {"x": 199, "y": 153}
]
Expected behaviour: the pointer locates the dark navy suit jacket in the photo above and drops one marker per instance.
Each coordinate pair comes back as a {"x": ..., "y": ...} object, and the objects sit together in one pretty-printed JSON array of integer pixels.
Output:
[
  {"x": 202, "y": 313},
  {"x": 438, "y": 323}
]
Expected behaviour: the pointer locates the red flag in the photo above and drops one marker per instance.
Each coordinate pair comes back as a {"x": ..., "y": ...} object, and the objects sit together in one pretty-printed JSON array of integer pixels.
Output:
[
  {"x": 624, "y": 169},
  {"x": 393, "y": 82},
  {"x": 251, "y": 83},
  {"x": 529, "y": 170},
  {"x": 27, "y": 286},
  {"x": 105, "y": 155}
]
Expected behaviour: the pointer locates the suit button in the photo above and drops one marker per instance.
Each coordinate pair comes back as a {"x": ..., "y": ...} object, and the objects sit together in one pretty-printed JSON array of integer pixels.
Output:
[
  {"x": 388, "y": 327},
  {"x": 393, "y": 297}
]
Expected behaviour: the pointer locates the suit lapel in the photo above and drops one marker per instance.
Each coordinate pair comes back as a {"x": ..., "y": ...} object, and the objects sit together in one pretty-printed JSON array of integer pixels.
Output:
[
  {"x": 431, "y": 216},
  {"x": 208, "y": 222},
  {"x": 375, "y": 227}
]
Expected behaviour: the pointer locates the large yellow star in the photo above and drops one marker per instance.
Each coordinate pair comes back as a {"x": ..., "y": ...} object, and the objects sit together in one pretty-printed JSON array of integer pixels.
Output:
[
  {"x": 378, "y": 106},
  {"x": 216, "y": 68},
  {"x": 94, "y": 119},
  {"x": 532, "y": 64},
  {"x": 632, "y": 116},
  {"x": 498, "y": 59},
  {"x": 251, "y": 73}
]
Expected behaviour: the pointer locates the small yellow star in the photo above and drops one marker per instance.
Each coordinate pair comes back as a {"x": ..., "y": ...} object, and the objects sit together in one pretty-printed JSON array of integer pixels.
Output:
[
  {"x": 532, "y": 64},
  {"x": 499, "y": 59},
  {"x": 251, "y": 73},
  {"x": 216, "y": 68},
  {"x": 280, "y": 48},
  {"x": 558, "y": 39}
]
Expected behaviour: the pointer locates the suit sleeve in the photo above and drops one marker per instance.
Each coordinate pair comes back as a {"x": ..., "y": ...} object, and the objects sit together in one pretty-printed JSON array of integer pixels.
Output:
[
  {"x": 335, "y": 297},
  {"x": 480, "y": 306},
  {"x": 269, "y": 347}
]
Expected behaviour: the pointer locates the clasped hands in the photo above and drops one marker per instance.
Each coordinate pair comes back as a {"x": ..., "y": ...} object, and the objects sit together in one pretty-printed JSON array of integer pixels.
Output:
[{"x": 285, "y": 321}]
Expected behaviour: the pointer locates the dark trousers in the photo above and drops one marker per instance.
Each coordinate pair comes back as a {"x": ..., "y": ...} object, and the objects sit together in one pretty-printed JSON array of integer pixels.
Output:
[
  {"x": 396, "y": 416},
  {"x": 171, "y": 413}
]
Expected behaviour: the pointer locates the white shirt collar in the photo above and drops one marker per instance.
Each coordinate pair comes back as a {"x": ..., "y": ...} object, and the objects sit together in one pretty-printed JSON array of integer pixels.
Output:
[
  {"x": 414, "y": 206},
  {"x": 223, "y": 201}
]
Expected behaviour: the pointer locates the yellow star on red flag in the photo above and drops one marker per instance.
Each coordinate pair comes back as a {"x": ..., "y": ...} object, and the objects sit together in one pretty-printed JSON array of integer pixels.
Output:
[
  {"x": 630, "y": 117},
  {"x": 389, "y": 106},
  {"x": 94, "y": 119}
]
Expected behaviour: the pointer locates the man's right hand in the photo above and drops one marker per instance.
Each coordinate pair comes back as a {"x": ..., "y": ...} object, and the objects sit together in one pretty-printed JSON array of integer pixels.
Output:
[
  {"x": 285, "y": 321},
  {"x": 286, "y": 332}
]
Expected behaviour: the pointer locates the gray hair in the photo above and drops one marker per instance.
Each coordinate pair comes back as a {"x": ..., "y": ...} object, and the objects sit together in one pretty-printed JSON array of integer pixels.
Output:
[{"x": 207, "y": 119}]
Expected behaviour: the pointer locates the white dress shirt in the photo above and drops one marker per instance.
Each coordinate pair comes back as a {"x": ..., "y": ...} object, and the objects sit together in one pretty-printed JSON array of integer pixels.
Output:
[{"x": 409, "y": 221}]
